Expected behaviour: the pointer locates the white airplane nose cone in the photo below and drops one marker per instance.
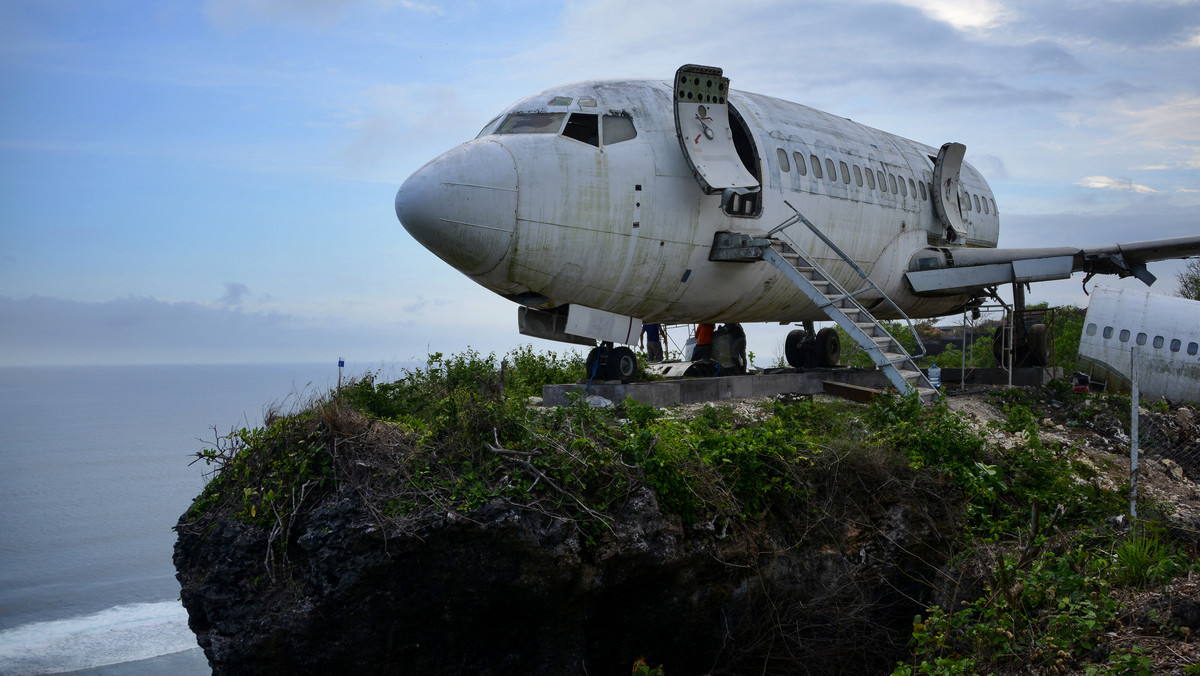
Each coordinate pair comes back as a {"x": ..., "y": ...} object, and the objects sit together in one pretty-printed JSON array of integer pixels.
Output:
[{"x": 462, "y": 206}]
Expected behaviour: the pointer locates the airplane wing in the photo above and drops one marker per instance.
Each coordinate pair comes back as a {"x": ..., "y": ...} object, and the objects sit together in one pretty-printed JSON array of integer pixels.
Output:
[{"x": 947, "y": 270}]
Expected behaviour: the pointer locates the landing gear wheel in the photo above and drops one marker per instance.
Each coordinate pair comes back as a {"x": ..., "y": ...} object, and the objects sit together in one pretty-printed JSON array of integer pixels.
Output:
[
  {"x": 1037, "y": 348},
  {"x": 829, "y": 347},
  {"x": 739, "y": 356},
  {"x": 594, "y": 370},
  {"x": 622, "y": 365},
  {"x": 793, "y": 348}
]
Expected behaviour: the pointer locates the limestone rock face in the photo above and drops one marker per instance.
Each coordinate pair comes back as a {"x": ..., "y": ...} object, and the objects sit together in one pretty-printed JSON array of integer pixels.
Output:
[{"x": 507, "y": 589}]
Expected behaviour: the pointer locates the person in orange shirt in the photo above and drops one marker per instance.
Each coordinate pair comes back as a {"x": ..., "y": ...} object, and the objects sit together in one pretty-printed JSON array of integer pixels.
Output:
[{"x": 704, "y": 342}]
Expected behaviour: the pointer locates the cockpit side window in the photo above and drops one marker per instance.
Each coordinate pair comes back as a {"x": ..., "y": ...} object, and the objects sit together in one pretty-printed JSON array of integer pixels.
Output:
[
  {"x": 487, "y": 128},
  {"x": 618, "y": 128},
  {"x": 531, "y": 123},
  {"x": 615, "y": 128},
  {"x": 583, "y": 127}
]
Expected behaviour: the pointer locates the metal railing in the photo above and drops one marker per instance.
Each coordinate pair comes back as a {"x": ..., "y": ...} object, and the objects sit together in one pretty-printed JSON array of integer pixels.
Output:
[{"x": 799, "y": 217}]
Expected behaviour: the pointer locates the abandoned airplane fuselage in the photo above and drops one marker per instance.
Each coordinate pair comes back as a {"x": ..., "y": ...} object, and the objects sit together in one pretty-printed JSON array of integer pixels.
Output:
[{"x": 601, "y": 201}]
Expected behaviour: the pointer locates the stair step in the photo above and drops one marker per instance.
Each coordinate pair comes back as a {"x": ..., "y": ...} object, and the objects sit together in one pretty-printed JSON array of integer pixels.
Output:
[
  {"x": 897, "y": 364},
  {"x": 873, "y": 330},
  {"x": 928, "y": 394}
]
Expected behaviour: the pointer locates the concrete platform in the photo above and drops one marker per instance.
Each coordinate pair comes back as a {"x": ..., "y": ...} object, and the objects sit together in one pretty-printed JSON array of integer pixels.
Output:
[
  {"x": 698, "y": 390},
  {"x": 1023, "y": 377},
  {"x": 669, "y": 392}
]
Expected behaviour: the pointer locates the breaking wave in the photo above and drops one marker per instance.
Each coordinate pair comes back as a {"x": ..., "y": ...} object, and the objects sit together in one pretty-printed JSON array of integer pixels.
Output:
[{"x": 125, "y": 633}]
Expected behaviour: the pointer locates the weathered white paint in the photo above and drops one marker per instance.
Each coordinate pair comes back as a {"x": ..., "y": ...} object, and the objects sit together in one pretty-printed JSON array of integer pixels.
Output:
[{"x": 548, "y": 220}]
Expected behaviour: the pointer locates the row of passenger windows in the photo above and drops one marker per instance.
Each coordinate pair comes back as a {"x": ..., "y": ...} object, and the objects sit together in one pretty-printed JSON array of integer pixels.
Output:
[
  {"x": 591, "y": 128},
  {"x": 1141, "y": 338},
  {"x": 885, "y": 181},
  {"x": 587, "y": 127}
]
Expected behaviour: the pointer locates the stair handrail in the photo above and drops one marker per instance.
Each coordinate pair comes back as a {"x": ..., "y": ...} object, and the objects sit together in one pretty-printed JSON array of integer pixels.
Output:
[{"x": 799, "y": 217}]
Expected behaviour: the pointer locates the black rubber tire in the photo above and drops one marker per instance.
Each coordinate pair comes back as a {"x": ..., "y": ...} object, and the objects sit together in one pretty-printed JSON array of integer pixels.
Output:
[
  {"x": 1037, "y": 346},
  {"x": 622, "y": 364},
  {"x": 793, "y": 348},
  {"x": 739, "y": 356},
  {"x": 829, "y": 347},
  {"x": 591, "y": 371}
]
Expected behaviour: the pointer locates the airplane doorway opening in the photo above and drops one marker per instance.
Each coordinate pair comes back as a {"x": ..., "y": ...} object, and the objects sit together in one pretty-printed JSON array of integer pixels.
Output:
[{"x": 750, "y": 204}]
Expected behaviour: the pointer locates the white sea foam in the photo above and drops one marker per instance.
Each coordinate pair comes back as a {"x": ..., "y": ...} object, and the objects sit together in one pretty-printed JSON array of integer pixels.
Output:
[{"x": 126, "y": 633}]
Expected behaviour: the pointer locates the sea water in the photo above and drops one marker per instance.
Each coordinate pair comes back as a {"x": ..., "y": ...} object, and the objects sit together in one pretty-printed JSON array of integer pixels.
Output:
[{"x": 95, "y": 469}]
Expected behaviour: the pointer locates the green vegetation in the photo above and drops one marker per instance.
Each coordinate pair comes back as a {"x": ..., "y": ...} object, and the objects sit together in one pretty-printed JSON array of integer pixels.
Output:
[
  {"x": 1065, "y": 326},
  {"x": 1189, "y": 280},
  {"x": 1049, "y": 601},
  {"x": 459, "y": 433}
]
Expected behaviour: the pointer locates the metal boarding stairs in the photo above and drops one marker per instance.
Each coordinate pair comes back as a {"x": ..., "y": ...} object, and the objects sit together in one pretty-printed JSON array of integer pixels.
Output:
[{"x": 838, "y": 304}]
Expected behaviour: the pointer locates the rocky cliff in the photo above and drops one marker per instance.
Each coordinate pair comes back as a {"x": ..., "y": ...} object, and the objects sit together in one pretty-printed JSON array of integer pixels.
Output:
[
  {"x": 341, "y": 543},
  {"x": 438, "y": 525}
]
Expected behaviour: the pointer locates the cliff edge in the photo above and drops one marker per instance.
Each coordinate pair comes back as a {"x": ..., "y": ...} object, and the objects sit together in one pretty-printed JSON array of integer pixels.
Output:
[{"x": 442, "y": 525}]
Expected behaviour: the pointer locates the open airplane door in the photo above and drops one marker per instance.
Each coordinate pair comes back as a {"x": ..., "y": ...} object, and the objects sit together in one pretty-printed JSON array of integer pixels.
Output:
[
  {"x": 945, "y": 180},
  {"x": 702, "y": 123}
]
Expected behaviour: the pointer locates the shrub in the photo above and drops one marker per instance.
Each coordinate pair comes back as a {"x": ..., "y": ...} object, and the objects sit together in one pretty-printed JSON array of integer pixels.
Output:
[{"x": 1050, "y": 614}]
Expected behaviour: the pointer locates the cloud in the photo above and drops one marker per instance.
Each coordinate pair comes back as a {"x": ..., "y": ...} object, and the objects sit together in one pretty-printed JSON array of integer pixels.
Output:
[
  {"x": 1107, "y": 183},
  {"x": 964, "y": 15},
  {"x": 1156, "y": 25},
  {"x": 1146, "y": 216},
  {"x": 235, "y": 293},
  {"x": 40, "y": 330},
  {"x": 422, "y": 7},
  {"x": 1172, "y": 128},
  {"x": 392, "y": 119},
  {"x": 239, "y": 15},
  {"x": 144, "y": 330}
]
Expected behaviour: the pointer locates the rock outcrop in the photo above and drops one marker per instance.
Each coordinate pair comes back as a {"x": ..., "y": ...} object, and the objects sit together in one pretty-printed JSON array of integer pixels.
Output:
[{"x": 829, "y": 584}]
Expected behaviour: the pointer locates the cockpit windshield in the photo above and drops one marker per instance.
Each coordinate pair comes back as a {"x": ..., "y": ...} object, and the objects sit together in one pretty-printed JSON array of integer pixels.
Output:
[
  {"x": 531, "y": 123},
  {"x": 585, "y": 127}
]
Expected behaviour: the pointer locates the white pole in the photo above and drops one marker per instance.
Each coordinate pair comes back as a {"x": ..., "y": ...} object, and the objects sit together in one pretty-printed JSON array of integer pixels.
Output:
[
  {"x": 1012, "y": 346},
  {"x": 962, "y": 370},
  {"x": 1133, "y": 433}
]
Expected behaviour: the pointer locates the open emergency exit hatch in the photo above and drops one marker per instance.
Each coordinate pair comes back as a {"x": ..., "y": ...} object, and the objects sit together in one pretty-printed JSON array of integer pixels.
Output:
[{"x": 702, "y": 122}]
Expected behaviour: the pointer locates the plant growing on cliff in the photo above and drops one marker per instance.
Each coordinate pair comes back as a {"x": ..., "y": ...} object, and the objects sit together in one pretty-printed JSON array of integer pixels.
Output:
[
  {"x": 458, "y": 437},
  {"x": 1050, "y": 612},
  {"x": 269, "y": 469}
]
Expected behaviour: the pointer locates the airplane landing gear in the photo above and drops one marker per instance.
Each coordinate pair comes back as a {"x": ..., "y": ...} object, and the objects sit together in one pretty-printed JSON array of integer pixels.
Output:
[
  {"x": 1030, "y": 349},
  {"x": 611, "y": 363},
  {"x": 804, "y": 348},
  {"x": 1030, "y": 343},
  {"x": 828, "y": 347}
]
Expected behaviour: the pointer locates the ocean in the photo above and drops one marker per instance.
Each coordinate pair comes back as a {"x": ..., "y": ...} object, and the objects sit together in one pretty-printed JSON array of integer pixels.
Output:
[{"x": 94, "y": 471}]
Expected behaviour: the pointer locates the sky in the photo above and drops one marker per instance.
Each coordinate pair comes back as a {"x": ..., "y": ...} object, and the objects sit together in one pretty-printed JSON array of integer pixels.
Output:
[{"x": 213, "y": 181}]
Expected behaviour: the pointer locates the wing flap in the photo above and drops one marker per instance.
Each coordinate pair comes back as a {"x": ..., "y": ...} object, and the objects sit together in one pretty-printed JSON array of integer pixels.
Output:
[{"x": 949, "y": 270}]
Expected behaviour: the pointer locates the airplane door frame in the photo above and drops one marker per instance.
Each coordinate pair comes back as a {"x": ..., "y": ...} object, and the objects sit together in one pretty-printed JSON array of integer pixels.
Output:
[{"x": 705, "y": 134}]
